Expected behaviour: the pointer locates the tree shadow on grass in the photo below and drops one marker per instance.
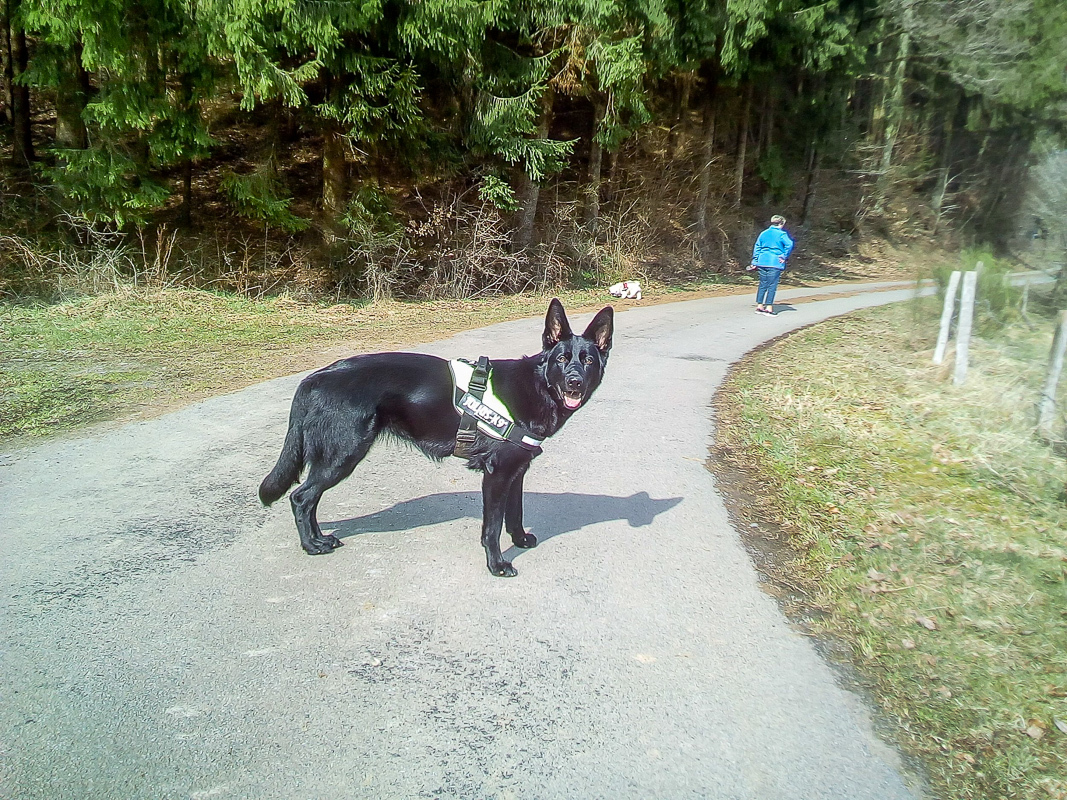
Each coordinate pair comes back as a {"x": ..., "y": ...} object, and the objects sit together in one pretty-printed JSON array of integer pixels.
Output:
[{"x": 546, "y": 515}]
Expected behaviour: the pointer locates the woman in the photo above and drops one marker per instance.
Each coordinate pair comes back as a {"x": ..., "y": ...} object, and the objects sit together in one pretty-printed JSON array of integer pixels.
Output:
[{"x": 769, "y": 254}]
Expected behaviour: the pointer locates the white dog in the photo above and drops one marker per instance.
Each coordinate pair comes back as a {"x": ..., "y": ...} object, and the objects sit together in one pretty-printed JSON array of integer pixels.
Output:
[{"x": 627, "y": 290}]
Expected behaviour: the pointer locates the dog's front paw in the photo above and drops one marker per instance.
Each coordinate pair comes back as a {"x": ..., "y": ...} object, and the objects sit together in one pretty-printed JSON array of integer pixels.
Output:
[
  {"x": 322, "y": 545},
  {"x": 504, "y": 570},
  {"x": 524, "y": 540}
]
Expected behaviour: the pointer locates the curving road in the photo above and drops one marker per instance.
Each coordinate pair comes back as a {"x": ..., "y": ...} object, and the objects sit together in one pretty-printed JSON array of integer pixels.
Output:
[{"x": 163, "y": 636}]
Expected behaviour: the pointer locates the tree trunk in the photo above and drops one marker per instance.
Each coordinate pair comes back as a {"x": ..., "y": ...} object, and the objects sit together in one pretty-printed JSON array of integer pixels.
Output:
[
  {"x": 766, "y": 125},
  {"x": 529, "y": 189},
  {"x": 895, "y": 113},
  {"x": 876, "y": 121},
  {"x": 334, "y": 174},
  {"x": 71, "y": 99},
  {"x": 191, "y": 112},
  {"x": 613, "y": 164},
  {"x": 141, "y": 148},
  {"x": 334, "y": 165},
  {"x": 678, "y": 132},
  {"x": 185, "y": 213},
  {"x": 591, "y": 210},
  {"x": 742, "y": 145},
  {"x": 812, "y": 182},
  {"x": 22, "y": 133},
  {"x": 5, "y": 63},
  {"x": 700, "y": 223},
  {"x": 944, "y": 163}
]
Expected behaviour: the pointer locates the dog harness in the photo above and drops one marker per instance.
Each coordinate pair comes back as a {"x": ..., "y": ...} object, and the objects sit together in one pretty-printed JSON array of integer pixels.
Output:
[{"x": 481, "y": 410}]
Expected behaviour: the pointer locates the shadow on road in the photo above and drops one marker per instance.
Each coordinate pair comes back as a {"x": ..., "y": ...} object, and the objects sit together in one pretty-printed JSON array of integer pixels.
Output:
[{"x": 546, "y": 515}]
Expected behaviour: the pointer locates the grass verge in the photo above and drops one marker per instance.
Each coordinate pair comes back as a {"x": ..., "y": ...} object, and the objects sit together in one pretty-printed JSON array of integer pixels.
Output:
[{"x": 927, "y": 525}]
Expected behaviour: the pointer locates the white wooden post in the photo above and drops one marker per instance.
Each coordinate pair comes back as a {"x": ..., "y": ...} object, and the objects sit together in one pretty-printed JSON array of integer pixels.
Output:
[
  {"x": 963, "y": 336},
  {"x": 1046, "y": 409},
  {"x": 946, "y": 316}
]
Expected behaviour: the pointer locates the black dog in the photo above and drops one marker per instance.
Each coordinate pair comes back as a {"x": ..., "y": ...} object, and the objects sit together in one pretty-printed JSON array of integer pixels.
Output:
[{"x": 340, "y": 410}]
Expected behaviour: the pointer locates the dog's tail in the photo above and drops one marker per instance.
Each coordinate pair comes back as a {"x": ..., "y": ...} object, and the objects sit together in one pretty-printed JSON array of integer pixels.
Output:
[{"x": 290, "y": 463}]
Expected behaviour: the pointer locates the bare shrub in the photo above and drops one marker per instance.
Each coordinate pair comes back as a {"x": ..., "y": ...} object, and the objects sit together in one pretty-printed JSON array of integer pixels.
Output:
[
  {"x": 376, "y": 259},
  {"x": 621, "y": 248},
  {"x": 104, "y": 262},
  {"x": 647, "y": 227},
  {"x": 154, "y": 270},
  {"x": 254, "y": 267},
  {"x": 468, "y": 254},
  {"x": 34, "y": 269}
]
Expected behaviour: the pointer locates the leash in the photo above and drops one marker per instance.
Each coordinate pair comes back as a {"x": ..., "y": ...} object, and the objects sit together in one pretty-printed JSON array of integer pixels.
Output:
[{"x": 476, "y": 415}]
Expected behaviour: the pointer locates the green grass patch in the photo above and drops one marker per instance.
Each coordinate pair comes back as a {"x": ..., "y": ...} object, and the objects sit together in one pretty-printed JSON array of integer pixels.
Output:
[
  {"x": 33, "y": 401},
  {"x": 931, "y": 526},
  {"x": 68, "y": 364}
]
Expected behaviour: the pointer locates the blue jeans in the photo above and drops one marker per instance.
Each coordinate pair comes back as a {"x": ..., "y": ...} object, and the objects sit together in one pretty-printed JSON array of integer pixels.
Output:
[{"x": 768, "y": 285}]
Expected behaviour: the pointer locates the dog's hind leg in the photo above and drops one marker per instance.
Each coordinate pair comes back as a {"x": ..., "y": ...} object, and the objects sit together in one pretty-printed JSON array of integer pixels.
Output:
[
  {"x": 513, "y": 516},
  {"x": 305, "y": 500}
]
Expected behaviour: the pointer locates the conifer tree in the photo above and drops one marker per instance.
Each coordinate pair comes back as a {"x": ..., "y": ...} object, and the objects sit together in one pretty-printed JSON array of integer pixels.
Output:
[
  {"x": 341, "y": 64},
  {"x": 468, "y": 91},
  {"x": 512, "y": 121},
  {"x": 128, "y": 80}
]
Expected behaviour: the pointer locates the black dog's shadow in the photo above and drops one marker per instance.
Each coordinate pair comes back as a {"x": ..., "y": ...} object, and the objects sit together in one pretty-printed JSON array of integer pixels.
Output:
[{"x": 546, "y": 515}]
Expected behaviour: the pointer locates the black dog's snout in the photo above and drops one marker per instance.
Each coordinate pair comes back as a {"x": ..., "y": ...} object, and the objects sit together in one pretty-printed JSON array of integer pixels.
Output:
[{"x": 575, "y": 382}]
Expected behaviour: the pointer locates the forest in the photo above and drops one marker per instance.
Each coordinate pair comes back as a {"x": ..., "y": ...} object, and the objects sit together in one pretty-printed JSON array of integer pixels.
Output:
[{"x": 454, "y": 147}]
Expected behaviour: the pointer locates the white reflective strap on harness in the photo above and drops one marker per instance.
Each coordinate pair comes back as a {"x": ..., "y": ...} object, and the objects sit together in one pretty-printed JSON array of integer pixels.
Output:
[
  {"x": 481, "y": 409},
  {"x": 498, "y": 425}
]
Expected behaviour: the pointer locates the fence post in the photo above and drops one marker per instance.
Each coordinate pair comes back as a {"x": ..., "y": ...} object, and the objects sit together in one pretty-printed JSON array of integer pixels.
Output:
[
  {"x": 1046, "y": 409},
  {"x": 946, "y": 316},
  {"x": 963, "y": 336}
]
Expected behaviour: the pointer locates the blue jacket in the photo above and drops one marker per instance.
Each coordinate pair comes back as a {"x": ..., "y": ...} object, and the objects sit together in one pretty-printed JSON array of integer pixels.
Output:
[{"x": 772, "y": 248}]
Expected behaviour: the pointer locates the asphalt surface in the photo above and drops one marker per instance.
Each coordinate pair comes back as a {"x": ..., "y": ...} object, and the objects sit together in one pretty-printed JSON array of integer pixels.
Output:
[{"x": 163, "y": 636}]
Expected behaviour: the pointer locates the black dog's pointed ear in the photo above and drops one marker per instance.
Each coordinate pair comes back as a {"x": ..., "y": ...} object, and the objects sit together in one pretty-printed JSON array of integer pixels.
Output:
[
  {"x": 556, "y": 326},
  {"x": 601, "y": 328}
]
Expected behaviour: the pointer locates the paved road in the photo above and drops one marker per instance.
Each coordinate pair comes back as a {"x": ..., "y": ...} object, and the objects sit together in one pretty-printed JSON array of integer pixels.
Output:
[{"x": 165, "y": 637}]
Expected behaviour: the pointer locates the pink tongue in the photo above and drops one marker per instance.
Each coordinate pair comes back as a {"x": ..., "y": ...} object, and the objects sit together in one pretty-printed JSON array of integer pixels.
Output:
[{"x": 571, "y": 402}]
